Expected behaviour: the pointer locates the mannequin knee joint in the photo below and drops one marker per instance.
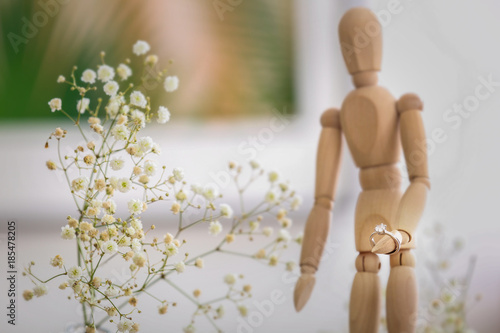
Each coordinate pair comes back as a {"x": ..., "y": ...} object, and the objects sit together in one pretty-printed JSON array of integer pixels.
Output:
[
  {"x": 403, "y": 258},
  {"x": 368, "y": 262}
]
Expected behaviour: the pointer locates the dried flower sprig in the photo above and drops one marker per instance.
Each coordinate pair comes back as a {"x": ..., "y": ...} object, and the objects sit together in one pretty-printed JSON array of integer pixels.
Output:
[{"x": 116, "y": 159}]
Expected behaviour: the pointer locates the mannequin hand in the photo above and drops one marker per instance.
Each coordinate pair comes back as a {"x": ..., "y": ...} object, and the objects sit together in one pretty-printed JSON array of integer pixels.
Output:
[
  {"x": 303, "y": 289},
  {"x": 386, "y": 244}
]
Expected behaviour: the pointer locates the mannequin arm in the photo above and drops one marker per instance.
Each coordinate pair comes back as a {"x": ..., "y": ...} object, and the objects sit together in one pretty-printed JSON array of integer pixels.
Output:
[
  {"x": 412, "y": 203},
  {"x": 318, "y": 222}
]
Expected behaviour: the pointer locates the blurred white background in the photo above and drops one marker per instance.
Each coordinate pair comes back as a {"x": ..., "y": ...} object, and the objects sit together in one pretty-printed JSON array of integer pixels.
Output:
[{"x": 441, "y": 50}]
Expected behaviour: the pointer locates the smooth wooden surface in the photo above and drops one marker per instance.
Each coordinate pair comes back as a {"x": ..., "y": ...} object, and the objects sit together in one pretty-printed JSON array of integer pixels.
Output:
[
  {"x": 365, "y": 304},
  {"x": 360, "y": 37}
]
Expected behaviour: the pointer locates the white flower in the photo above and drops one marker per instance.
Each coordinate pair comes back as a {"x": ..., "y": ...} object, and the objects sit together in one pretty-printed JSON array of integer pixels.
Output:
[
  {"x": 124, "y": 185},
  {"x": 123, "y": 71},
  {"x": 130, "y": 231},
  {"x": 55, "y": 104},
  {"x": 61, "y": 79},
  {"x": 178, "y": 174},
  {"x": 297, "y": 201},
  {"x": 230, "y": 279},
  {"x": 136, "y": 224},
  {"x": 125, "y": 325},
  {"x": 124, "y": 241},
  {"x": 171, "y": 83},
  {"x": 88, "y": 76},
  {"x": 180, "y": 267},
  {"x": 75, "y": 272},
  {"x": 171, "y": 249},
  {"x": 117, "y": 163},
  {"x": 150, "y": 168},
  {"x": 254, "y": 164},
  {"x": 138, "y": 118},
  {"x": 114, "y": 104},
  {"x": 111, "y": 292},
  {"x": 141, "y": 47},
  {"x": 284, "y": 236},
  {"x": 226, "y": 210},
  {"x": 163, "y": 115},
  {"x": 109, "y": 247},
  {"x": 136, "y": 245},
  {"x": 82, "y": 105},
  {"x": 189, "y": 329},
  {"x": 145, "y": 144},
  {"x": 110, "y": 205},
  {"x": 271, "y": 197},
  {"x": 105, "y": 73},
  {"x": 267, "y": 231},
  {"x": 135, "y": 206},
  {"x": 156, "y": 149},
  {"x": 138, "y": 99},
  {"x": 40, "y": 290},
  {"x": 120, "y": 132},
  {"x": 111, "y": 88},
  {"x": 68, "y": 232},
  {"x": 108, "y": 219},
  {"x": 273, "y": 176},
  {"x": 80, "y": 183},
  {"x": 215, "y": 228},
  {"x": 210, "y": 192}
]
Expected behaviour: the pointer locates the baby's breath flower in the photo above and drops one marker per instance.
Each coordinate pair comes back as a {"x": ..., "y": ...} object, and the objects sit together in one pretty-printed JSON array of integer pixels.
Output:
[
  {"x": 124, "y": 241},
  {"x": 181, "y": 196},
  {"x": 109, "y": 247},
  {"x": 61, "y": 79},
  {"x": 230, "y": 279},
  {"x": 105, "y": 73},
  {"x": 136, "y": 224},
  {"x": 111, "y": 88},
  {"x": 63, "y": 285},
  {"x": 254, "y": 225},
  {"x": 180, "y": 267},
  {"x": 215, "y": 228},
  {"x": 28, "y": 295},
  {"x": 117, "y": 163},
  {"x": 210, "y": 192},
  {"x": 243, "y": 310},
  {"x": 171, "y": 249},
  {"x": 97, "y": 128},
  {"x": 150, "y": 168},
  {"x": 57, "y": 261},
  {"x": 197, "y": 188},
  {"x": 100, "y": 185},
  {"x": 136, "y": 245},
  {"x": 178, "y": 174},
  {"x": 40, "y": 290},
  {"x": 300, "y": 238},
  {"x": 55, "y": 104},
  {"x": 189, "y": 329},
  {"x": 137, "y": 98},
  {"x": 139, "y": 259},
  {"x": 111, "y": 291},
  {"x": 75, "y": 272},
  {"x": 123, "y": 71},
  {"x": 271, "y": 197},
  {"x": 163, "y": 115},
  {"x": 163, "y": 309},
  {"x": 273, "y": 176},
  {"x": 290, "y": 265},
  {"x": 88, "y": 76},
  {"x": 156, "y": 149},
  {"x": 176, "y": 208},
  {"x": 247, "y": 288},
  {"x": 267, "y": 231},
  {"x": 120, "y": 132},
  {"x": 67, "y": 232},
  {"x": 85, "y": 226},
  {"x": 124, "y": 185},
  {"x": 254, "y": 164},
  {"x": 286, "y": 222},
  {"x": 141, "y": 47},
  {"x": 89, "y": 159},
  {"x": 284, "y": 236},
  {"x": 109, "y": 206},
  {"x": 226, "y": 211},
  {"x": 136, "y": 206},
  {"x": 108, "y": 219},
  {"x": 297, "y": 201},
  {"x": 273, "y": 260},
  {"x": 51, "y": 165},
  {"x": 171, "y": 83},
  {"x": 138, "y": 118},
  {"x": 82, "y": 105},
  {"x": 229, "y": 238},
  {"x": 199, "y": 263}
]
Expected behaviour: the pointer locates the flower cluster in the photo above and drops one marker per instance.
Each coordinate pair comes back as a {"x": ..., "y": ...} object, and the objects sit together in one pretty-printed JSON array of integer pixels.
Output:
[{"x": 116, "y": 159}]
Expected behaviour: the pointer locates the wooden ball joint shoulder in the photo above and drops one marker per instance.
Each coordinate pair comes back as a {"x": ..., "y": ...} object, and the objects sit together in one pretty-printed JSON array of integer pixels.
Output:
[{"x": 376, "y": 128}]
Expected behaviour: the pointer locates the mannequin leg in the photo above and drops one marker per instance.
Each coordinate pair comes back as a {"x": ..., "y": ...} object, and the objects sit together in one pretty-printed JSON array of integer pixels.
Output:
[
  {"x": 402, "y": 294},
  {"x": 364, "y": 308}
]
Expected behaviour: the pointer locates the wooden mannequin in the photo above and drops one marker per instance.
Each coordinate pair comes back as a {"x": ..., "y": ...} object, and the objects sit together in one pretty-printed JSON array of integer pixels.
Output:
[{"x": 375, "y": 127}]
